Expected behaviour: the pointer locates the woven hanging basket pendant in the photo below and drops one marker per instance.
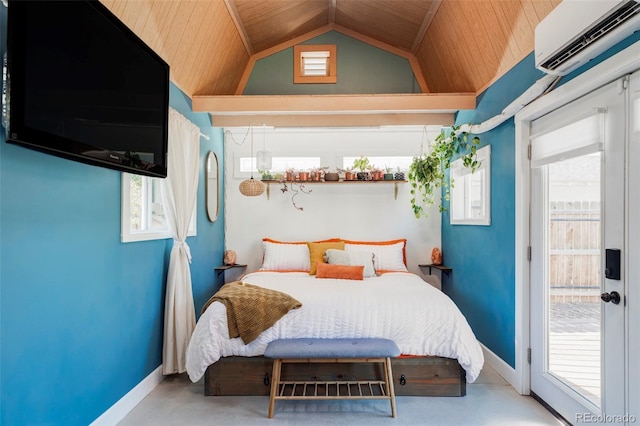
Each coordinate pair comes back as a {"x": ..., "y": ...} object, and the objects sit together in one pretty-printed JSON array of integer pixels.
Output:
[{"x": 251, "y": 187}]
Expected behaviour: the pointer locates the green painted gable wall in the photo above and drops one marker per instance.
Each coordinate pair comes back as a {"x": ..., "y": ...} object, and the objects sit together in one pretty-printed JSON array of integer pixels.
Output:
[{"x": 361, "y": 69}]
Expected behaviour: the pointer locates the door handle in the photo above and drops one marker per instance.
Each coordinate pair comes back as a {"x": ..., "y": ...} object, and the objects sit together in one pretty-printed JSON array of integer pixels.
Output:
[{"x": 613, "y": 297}]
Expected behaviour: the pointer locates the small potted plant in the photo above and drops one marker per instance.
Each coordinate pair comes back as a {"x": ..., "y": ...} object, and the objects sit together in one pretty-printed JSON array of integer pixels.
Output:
[
  {"x": 332, "y": 176},
  {"x": 317, "y": 173},
  {"x": 304, "y": 175},
  {"x": 388, "y": 173},
  {"x": 266, "y": 175},
  {"x": 376, "y": 173},
  {"x": 363, "y": 165},
  {"x": 349, "y": 174},
  {"x": 290, "y": 174}
]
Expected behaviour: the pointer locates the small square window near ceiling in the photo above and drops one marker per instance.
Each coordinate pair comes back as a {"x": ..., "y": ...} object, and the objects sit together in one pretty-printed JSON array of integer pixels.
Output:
[{"x": 314, "y": 63}]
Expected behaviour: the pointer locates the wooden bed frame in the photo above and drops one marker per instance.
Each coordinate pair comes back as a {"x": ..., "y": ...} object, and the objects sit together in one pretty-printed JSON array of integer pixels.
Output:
[{"x": 416, "y": 376}]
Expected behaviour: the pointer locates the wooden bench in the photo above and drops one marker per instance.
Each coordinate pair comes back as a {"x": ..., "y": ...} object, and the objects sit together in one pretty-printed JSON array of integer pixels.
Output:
[{"x": 369, "y": 350}]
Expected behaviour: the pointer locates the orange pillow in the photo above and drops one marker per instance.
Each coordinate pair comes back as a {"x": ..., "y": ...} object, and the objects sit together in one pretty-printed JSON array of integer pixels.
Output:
[
  {"x": 316, "y": 252},
  {"x": 344, "y": 272}
]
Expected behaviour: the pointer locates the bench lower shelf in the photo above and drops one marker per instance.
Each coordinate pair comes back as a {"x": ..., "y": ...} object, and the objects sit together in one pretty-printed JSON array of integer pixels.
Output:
[
  {"x": 413, "y": 376},
  {"x": 332, "y": 390}
]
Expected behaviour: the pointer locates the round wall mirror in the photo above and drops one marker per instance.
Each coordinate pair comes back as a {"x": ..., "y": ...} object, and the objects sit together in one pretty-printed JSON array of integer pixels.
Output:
[{"x": 212, "y": 186}]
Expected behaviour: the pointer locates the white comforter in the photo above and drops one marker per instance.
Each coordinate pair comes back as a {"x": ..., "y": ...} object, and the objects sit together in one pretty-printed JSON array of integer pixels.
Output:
[{"x": 399, "y": 306}]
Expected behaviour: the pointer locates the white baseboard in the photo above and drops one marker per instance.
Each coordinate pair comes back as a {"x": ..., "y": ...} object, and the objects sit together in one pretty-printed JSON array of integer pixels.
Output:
[
  {"x": 502, "y": 368},
  {"x": 125, "y": 404}
]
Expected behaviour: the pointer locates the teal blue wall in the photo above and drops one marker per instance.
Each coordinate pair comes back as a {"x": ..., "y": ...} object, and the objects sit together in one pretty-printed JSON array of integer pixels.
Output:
[
  {"x": 361, "y": 69},
  {"x": 482, "y": 257},
  {"x": 82, "y": 313}
]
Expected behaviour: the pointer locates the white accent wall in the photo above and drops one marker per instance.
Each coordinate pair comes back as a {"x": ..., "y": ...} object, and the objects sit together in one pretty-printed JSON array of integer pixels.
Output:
[{"x": 363, "y": 211}]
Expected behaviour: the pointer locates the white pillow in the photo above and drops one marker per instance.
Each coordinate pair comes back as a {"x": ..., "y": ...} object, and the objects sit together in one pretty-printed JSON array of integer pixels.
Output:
[
  {"x": 365, "y": 258},
  {"x": 336, "y": 257},
  {"x": 285, "y": 256},
  {"x": 387, "y": 257},
  {"x": 353, "y": 258}
]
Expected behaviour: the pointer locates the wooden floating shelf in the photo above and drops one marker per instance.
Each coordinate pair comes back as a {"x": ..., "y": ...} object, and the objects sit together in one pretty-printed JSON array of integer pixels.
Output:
[
  {"x": 221, "y": 269},
  {"x": 267, "y": 181},
  {"x": 329, "y": 182},
  {"x": 445, "y": 269}
]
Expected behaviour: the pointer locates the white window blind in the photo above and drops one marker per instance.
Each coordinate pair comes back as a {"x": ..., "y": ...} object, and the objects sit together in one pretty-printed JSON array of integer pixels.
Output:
[{"x": 553, "y": 140}]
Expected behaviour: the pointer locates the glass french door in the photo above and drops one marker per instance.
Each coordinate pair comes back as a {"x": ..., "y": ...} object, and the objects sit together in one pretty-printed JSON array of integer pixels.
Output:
[{"x": 577, "y": 263}]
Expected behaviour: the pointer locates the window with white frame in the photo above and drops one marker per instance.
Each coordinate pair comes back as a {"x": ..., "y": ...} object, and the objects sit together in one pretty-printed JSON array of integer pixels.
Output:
[
  {"x": 387, "y": 162},
  {"x": 314, "y": 63},
  {"x": 279, "y": 164},
  {"x": 143, "y": 217},
  {"x": 470, "y": 192}
]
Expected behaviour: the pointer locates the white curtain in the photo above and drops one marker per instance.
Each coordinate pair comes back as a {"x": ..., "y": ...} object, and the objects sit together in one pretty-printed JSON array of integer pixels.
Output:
[{"x": 179, "y": 191}]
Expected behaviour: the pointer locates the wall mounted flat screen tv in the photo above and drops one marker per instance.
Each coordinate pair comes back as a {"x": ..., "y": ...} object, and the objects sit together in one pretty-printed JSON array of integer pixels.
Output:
[{"x": 84, "y": 87}]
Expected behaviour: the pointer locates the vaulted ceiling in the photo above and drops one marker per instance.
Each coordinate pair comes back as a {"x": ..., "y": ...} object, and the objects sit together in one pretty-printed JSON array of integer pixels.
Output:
[{"x": 457, "y": 48}]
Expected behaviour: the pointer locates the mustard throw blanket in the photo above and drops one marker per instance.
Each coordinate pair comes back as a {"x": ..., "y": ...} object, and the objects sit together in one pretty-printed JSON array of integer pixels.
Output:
[{"x": 252, "y": 309}]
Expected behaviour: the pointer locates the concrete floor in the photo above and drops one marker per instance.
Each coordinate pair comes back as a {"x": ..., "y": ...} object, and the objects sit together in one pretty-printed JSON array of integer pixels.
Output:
[{"x": 489, "y": 401}]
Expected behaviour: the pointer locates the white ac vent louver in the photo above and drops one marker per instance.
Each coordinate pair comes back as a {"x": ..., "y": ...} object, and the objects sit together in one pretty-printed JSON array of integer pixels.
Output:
[{"x": 577, "y": 31}]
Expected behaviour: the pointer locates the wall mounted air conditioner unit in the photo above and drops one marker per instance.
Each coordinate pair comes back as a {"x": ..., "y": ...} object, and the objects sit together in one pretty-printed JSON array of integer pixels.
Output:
[{"x": 577, "y": 31}]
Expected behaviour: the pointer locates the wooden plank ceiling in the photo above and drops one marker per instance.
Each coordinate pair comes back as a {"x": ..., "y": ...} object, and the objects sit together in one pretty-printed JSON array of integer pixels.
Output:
[{"x": 455, "y": 46}]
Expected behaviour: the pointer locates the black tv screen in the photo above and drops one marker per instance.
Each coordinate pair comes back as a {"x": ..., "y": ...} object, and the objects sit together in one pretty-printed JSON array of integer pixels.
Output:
[{"x": 84, "y": 87}]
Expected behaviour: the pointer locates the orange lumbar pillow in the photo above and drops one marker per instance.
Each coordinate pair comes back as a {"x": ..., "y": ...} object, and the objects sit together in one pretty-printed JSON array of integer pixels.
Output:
[{"x": 344, "y": 272}]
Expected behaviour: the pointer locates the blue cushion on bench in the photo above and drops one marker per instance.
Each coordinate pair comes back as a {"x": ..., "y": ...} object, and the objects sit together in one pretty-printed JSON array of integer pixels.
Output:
[{"x": 332, "y": 348}]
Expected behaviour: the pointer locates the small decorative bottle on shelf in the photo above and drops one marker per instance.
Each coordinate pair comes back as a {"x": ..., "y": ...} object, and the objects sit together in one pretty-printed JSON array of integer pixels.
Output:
[
  {"x": 229, "y": 257},
  {"x": 436, "y": 256}
]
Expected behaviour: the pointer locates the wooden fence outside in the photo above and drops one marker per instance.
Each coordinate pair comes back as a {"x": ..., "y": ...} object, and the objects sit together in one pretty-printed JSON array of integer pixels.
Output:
[{"x": 575, "y": 247}]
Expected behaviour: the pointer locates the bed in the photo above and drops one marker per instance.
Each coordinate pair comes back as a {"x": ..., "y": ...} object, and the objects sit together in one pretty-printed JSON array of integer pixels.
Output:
[{"x": 440, "y": 351}]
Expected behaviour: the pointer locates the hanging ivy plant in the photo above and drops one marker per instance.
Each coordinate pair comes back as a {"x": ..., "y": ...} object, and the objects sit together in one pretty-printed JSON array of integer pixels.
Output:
[{"x": 427, "y": 172}]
